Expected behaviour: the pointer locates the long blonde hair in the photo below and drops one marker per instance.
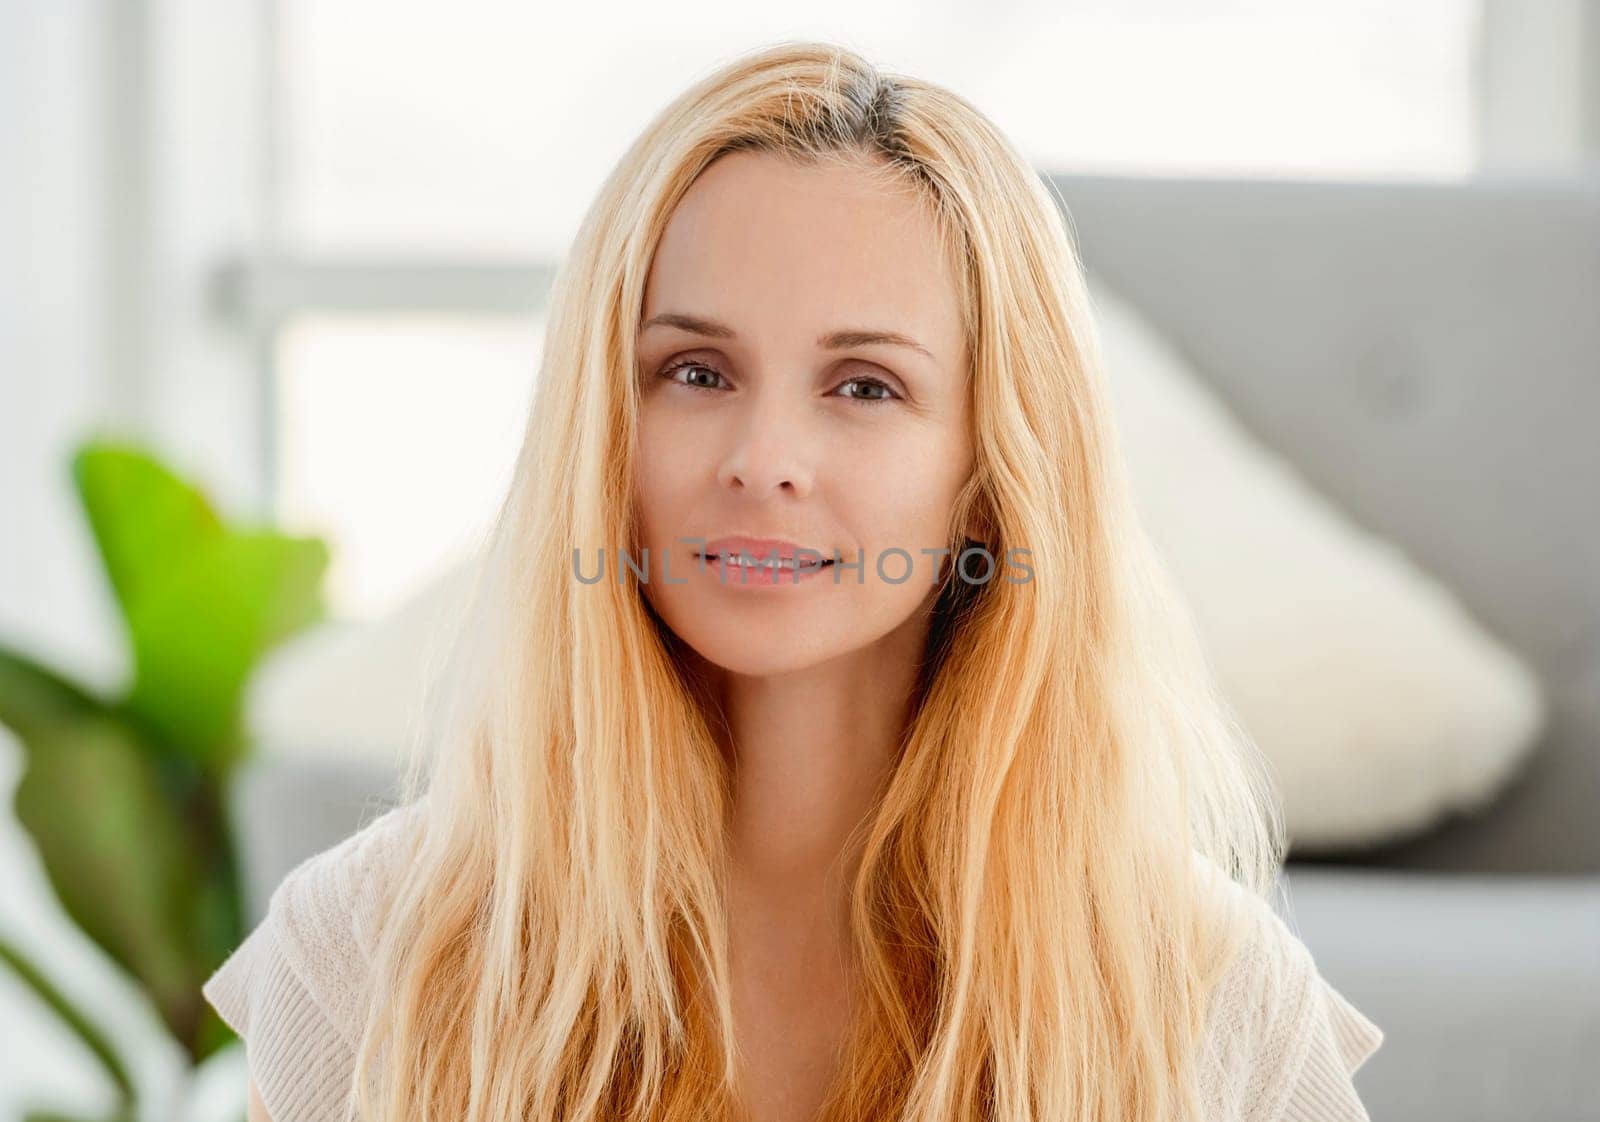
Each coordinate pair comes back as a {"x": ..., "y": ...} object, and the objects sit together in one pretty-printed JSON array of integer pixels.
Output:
[{"x": 1036, "y": 938}]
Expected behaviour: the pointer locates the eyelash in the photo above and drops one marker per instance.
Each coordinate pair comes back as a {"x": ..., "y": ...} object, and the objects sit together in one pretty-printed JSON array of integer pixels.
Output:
[{"x": 688, "y": 364}]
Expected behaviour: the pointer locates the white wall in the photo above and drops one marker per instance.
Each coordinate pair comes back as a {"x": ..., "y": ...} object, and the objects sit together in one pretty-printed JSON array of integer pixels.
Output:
[
  {"x": 54, "y": 375},
  {"x": 1539, "y": 86}
]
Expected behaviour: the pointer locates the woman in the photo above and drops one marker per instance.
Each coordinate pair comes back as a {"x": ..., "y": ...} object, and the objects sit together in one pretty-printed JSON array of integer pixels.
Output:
[{"x": 824, "y": 740}]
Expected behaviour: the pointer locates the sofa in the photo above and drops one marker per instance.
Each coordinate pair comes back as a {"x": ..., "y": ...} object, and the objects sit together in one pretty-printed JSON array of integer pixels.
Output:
[{"x": 1428, "y": 354}]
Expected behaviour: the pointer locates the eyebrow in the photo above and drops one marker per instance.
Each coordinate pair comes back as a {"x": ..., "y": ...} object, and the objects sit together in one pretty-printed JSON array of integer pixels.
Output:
[{"x": 833, "y": 341}]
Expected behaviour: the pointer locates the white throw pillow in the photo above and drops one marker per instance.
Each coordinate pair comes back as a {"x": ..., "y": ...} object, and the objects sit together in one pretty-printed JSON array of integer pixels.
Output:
[{"x": 1381, "y": 704}]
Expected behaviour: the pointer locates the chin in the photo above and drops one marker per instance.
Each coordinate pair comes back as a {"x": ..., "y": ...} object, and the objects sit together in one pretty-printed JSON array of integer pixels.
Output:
[
  {"x": 758, "y": 656},
  {"x": 757, "y": 648}
]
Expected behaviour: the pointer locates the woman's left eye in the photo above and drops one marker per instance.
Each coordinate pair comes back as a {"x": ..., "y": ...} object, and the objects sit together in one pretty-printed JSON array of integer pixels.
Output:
[{"x": 875, "y": 385}]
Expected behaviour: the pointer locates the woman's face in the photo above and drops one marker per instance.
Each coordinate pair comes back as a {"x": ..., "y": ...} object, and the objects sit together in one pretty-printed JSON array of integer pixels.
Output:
[{"x": 804, "y": 379}]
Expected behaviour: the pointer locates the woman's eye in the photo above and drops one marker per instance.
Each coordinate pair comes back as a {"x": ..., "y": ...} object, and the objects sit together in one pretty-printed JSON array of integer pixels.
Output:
[
  {"x": 873, "y": 385},
  {"x": 672, "y": 373}
]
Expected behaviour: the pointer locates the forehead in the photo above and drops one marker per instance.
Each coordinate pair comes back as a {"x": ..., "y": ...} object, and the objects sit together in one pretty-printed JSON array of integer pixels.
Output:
[{"x": 783, "y": 249}]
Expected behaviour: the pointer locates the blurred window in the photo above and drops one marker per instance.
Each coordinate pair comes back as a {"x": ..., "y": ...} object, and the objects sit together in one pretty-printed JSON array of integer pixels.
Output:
[{"x": 471, "y": 136}]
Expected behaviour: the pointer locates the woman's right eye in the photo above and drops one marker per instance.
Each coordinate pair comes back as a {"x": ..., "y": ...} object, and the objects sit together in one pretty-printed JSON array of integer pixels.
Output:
[{"x": 671, "y": 373}]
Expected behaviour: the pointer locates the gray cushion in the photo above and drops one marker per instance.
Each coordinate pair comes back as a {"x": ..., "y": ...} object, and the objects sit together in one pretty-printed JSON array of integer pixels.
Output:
[{"x": 1487, "y": 988}]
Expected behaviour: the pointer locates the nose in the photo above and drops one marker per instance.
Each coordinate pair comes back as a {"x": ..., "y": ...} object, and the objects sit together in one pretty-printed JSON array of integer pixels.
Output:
[{"x": 770, "y": 450}]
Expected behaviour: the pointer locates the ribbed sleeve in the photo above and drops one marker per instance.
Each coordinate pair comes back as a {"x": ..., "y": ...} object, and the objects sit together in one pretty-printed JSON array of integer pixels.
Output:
[
  {"x": 1315, "y": 1037},
  {"x": 1339, "y": 1039},
  {"x": 1283, "y": 1043},
  {"x": 300, "y": 1062},
  {"x": 297, "y": 989}
]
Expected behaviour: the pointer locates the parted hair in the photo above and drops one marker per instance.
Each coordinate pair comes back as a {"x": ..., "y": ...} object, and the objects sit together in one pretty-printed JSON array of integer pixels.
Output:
[{"x": 1036, "y": 925}]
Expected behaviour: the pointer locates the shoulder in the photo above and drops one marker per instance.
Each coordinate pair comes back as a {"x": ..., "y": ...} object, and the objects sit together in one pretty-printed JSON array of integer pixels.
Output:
[
  {"x": 296, "y": 988},
  {"x": 1283, "y": 1042},
  {"x": 327, "y": 911}
]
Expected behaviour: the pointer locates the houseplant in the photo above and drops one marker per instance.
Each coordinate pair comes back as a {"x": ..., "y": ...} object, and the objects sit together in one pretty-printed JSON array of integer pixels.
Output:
[{"x": 125, "y": 797}]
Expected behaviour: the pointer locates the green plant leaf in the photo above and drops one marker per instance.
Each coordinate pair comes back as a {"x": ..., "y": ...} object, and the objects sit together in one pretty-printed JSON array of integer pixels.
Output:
[
  {"x": 125, "y": 800},
  {"x": 202, "y": 601},
  {"x": 199, "y": 633},
  {"x": 34, "y": 697},
  {"x": 70, "y": 1015},
  {"x": 144, "y": 518},
  {"x": 117, "y": 849}
]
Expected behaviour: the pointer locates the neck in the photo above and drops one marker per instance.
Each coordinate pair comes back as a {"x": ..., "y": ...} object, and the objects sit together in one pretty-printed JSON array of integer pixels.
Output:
[{"x": 810, "y": 752}]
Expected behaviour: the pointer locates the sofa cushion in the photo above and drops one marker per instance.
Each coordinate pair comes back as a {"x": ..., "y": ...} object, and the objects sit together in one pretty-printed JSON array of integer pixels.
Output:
[
  {"x": 1381, "y": 703},
  {"x": 1487, "y": 986}
]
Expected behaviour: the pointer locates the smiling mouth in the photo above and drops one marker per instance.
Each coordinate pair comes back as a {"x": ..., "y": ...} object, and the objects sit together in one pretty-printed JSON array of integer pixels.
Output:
[{"x": 786, "y": 564}]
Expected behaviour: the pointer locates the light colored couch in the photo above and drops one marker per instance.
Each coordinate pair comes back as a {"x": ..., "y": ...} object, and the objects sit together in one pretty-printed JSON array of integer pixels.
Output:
[{"x": 1429, "y": 356}]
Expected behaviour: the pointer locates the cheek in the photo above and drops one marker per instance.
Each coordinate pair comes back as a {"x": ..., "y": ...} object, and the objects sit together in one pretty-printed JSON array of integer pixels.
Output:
[
  {"x": 660, "y": 468},
  {"x": 902, "y": 490}
]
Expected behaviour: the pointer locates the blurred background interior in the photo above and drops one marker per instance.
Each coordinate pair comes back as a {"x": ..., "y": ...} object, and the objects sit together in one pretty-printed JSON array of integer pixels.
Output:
[{"x": 273, "y": 277}]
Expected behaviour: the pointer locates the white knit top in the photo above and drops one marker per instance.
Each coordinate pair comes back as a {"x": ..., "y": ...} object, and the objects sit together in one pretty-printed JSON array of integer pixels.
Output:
[{"x": 1283, "y": 1046}]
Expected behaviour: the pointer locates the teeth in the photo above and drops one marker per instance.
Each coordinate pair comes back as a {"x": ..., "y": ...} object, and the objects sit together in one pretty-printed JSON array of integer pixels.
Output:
[
  {"x": 779, "y": 563},
  {"x": 775, "y": 563}
]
